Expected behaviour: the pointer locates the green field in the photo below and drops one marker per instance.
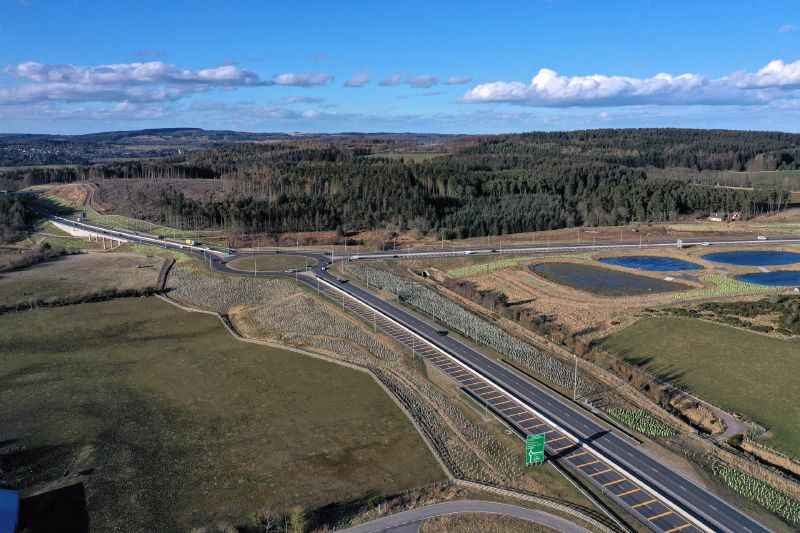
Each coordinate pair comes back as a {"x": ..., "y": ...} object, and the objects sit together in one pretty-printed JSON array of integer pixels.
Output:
[
  {"x": 176, "y": 425},
  {"x": 737, "y": 370},
  {"x": 271, "y": 262}
]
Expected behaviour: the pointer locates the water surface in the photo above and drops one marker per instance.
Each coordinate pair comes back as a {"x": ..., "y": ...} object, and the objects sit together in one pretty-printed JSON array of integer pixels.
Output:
[
  {"x": 651, "y": 263},
  {"x": 754, "y": 258},
  {"x": 782, "y": 278},
  {"x": 603, "y": 281}
]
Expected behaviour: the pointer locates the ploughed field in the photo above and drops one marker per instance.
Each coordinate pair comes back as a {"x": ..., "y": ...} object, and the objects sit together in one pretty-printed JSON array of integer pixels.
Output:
[
  {"x": 740, "y": 371},
  {"x": 603, "y": 281},
  {"x": 172, "y": 424}
]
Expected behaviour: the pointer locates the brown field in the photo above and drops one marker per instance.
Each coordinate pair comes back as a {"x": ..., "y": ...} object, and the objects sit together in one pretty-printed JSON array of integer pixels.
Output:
[{"x": 75, "y": 275}]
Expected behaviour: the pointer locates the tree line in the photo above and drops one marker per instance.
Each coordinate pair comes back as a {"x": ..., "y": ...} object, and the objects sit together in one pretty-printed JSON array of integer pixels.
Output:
[{"x": 483, "y": 185}]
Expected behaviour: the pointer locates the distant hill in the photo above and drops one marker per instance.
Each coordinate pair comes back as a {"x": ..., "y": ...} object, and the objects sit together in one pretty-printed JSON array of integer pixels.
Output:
[{"x": 22, "y": 149}]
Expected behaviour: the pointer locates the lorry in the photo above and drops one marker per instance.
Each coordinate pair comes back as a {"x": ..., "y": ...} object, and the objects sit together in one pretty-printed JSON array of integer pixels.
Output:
[{"x": 190, "y": 242}]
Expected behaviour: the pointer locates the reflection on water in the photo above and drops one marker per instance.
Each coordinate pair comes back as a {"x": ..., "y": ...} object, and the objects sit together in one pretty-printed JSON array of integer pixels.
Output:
[
  {"x": 754, "y": 258},
  {"x": 651, "y": 263},
  {"x": 783, "y": 278},
  {"x": 603, "y": 281}
]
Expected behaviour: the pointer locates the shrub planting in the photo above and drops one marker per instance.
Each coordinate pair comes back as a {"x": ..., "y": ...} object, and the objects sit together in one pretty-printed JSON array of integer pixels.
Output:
[
  {"x": 641, "y": 421},
  {"x": 761, "y": 493}
]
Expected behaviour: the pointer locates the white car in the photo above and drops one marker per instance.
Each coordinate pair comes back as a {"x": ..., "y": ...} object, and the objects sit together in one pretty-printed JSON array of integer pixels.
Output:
[
  {"x": 761, "y": 238},
  {"x": 704, "y": 244}
]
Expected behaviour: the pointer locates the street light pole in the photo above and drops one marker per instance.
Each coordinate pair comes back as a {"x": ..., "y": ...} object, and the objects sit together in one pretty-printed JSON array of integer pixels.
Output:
[{"x": 575, "y": 382}]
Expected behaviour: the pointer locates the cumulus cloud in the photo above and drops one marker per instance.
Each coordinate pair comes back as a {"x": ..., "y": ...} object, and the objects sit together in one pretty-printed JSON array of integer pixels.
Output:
[
  {"x": 358, "y": 79},
  {"x": 305, "y": 79},
  {"x": 151, "y": 81},
  {"x": 393, "y": 79},
  {"x": 458, "y": 80},
  {"x": 786, "y": 28},
  {"x": 550, "y": 89},
  {"x": 775, "y": 74},
  {"x": 131, "y": 73}
]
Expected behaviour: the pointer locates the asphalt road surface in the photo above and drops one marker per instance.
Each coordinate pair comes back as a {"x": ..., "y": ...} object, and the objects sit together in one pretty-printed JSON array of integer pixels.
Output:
[
  {"x": 710, "y": 510},
  {"x": 409, "y": 521}
]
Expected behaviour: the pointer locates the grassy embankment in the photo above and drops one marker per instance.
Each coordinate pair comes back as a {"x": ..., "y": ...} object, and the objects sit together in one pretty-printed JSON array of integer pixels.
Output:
[
  {"x": 738, "y": 370},
  {"x": 177, "y": 425}
]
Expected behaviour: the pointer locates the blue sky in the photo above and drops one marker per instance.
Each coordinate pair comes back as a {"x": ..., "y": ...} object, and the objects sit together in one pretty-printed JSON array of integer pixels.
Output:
[{"x": 450, "y": 67}]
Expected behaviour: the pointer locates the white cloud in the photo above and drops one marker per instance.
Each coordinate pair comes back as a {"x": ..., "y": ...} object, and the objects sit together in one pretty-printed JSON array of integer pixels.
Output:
[
  {"x": 423, "y": 82},
  {"x": 786, "y": 28},
  {"x": 393, "y": 79},
  {"x": 776, "y": 74},
  {"x": 458, "y": 80},
  {"x": 152, "y": 81},
  {"x": 305, "y": 79},
  {"x": 358, "y": 79},
  {"x": 131, "y": 73},
  {"x": 548, "y": 88}
]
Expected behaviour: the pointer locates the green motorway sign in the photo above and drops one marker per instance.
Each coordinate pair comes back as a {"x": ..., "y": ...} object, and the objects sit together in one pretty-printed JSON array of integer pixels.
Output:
[{"x": 534, "y": 449}]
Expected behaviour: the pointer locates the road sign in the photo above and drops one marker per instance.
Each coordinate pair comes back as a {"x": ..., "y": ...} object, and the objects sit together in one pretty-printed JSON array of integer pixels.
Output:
[{"x": 534, "y": 449}]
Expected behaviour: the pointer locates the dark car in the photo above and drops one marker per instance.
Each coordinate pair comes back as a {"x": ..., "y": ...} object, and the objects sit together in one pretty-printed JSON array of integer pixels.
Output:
[
  {"x": 442, "y": 332},
  {"x": 395, "y": 256}
]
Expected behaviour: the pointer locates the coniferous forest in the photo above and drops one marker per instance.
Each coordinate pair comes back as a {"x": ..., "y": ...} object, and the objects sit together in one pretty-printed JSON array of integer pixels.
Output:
[{"x": 474, "y": 186}]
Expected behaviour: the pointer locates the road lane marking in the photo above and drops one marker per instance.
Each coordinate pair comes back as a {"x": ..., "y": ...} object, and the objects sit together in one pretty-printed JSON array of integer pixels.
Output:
[
  {"x": 648, "y": 502},
  {"x": 620, "y": 480},
  {"x": 656, "y": 517},
  {"x": 584, "y": 452},
  {"x": 679, "y": 528},
  {"x": 589, "y": 463},
  {"x": 564, "y": 447},
  {"x": 600, "y": 472},
  {"x": 526, "y": 419},
  {"x": 637, "y": 489},
  {"x": 489, "y": 399}
]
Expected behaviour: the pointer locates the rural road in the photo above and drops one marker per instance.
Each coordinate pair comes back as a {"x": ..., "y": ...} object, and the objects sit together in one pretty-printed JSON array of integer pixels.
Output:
[
  {"x": 409, "y": 521},
  {"x": 656, "y": 486}
]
